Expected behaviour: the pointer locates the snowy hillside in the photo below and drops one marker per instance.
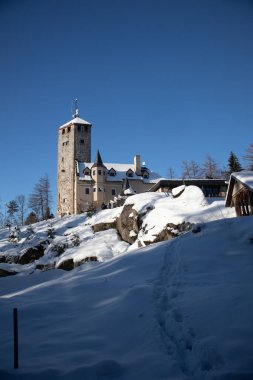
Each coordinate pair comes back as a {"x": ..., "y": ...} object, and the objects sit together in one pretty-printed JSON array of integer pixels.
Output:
[{"x": 178, "y": 309}]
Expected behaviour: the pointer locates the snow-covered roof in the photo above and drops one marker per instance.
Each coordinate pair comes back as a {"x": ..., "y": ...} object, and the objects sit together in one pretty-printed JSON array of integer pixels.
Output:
[
  {"x": 245, "y": 176},
  {"x": 121, "y": 170},
  {"x": 76, "y": 120}
]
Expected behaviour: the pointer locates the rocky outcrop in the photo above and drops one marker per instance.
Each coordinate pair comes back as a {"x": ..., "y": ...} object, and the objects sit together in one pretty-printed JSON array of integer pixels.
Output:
[
  {"x": 128, "y": 224},
  {"x": 130, "y": 227},
  {"x": 67, "y": 264},
  {"x": 5, "y": 272},
  {"x": 32, "y": 253},
  {"x": 44, "y": 267},
  {"x": 103, "y": 226},
  {"x": 170, "y": 231}
]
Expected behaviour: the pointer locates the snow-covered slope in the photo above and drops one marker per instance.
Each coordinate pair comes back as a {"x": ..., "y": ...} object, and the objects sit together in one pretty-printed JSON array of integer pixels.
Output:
[
  {"x": 70, "y": 241},
  {"x": 181, "y": 309}
]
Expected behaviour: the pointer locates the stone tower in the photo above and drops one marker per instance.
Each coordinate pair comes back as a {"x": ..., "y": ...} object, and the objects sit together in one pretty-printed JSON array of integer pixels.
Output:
[
  {"x": 74, "y": 144},
  {"x": 99, "y": 175}
]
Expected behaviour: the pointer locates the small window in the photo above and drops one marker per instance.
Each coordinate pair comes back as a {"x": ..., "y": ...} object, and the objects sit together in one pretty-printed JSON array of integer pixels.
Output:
[
  {"x": 99, "y": 172},
  {"x": 69, "y": 129},
  {"x": 87, "y": 190},
  {"x": 113, "y": 192},
  {"x": 94, "y": 172},
  {"x": 130, "y": 173},
  {"x": 86, "y": 128},
  {"x": 86, "y": 171},
  {"x": 104, "y": 172},
  {"x": 63, "y": 131},
  {"x": 79, "y": 128},
  {"x": 100, "y": 189},
  {"x": 112, "y": 172},
  {"x": 82, "y": 141},
  {"x": 62, "y": 159},
  {"x": 94, "y": 190}
]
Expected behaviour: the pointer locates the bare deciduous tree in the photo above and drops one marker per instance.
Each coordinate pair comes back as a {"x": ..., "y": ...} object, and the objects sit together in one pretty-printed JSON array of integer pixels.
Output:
[
  {"x": 2, "y": 218},
  {"x": 248, "y": 157},
  {"x": 186, "y": 169},
  {"x": 210, "y": 168},
  {"x": 171, "y": 173},
  {"x": 191, "y": 169},
  {"x": 40, "y": 200},
  {"x": 21, "y": 202}
]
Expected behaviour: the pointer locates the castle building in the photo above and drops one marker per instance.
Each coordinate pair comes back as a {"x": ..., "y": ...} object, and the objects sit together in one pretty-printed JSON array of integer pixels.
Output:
[{"x": 81, "y": 182}]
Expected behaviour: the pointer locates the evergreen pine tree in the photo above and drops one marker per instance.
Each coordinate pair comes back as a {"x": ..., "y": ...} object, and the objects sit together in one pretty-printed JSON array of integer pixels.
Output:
[
  {"x": 233, "y": 163},
  {"x": 12, "y": 208}
]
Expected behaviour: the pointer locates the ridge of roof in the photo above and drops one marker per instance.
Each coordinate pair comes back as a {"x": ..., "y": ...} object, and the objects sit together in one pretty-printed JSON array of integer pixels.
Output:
[{"x": 76, "y": 120}]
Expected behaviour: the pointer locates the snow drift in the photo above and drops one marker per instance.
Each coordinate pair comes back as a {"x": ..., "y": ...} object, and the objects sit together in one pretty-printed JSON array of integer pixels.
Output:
[{"x": 181, "y": 309}]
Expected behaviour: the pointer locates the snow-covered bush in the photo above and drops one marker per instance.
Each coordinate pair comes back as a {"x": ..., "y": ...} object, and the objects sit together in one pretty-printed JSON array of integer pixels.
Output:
[{"x": 14, "y": 235}]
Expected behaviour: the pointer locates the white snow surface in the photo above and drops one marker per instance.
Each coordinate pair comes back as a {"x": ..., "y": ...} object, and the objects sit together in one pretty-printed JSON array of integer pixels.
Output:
[
  {"x": 76, "y": 120},
  {"x": 177, "y": 190},
  {"x": 176, "y": 310}
]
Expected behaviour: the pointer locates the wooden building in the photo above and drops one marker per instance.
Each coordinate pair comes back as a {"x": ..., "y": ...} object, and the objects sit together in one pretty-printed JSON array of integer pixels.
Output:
[
  {"x": 240, "y": 193},
  {"x": 212, "y": 188}
]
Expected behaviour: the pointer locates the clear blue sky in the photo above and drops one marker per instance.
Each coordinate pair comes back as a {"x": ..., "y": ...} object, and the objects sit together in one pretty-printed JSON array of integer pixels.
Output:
[{"x": 171, "y": 80}]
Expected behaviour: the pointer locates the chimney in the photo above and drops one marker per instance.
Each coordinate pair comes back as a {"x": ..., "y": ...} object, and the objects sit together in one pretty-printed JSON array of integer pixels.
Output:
[{"x": 137, "y": 164}]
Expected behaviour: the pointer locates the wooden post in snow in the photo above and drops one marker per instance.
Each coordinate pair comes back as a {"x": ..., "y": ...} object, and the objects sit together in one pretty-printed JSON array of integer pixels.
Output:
[{"x": 15, "y": 336}]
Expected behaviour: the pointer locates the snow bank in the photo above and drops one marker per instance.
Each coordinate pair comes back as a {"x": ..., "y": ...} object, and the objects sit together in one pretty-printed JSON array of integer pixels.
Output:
[
  {"x": 190, "y": 207},
  {"x": 104, "y": 246},
  {"x": 177, "y": 310},
  {"x": 105, "y": 216},
  {"x": 142, "y": 202}
]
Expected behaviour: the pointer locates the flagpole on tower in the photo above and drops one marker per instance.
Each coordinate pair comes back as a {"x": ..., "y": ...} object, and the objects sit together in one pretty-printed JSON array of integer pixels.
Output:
[{"x": 75, "y": 108}]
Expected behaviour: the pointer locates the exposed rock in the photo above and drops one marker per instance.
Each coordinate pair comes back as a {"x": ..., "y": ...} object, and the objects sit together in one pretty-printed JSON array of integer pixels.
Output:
[
  {"x": 87, "y": 260},
  {"x": 170, "y": 231},
  {"x": 103, "y": 226},
  {"x": 2, "y": 259},
  {"x": 58, "y": 249},
  {"x": 197, "y": 228},
  {"x": 4, "y": 272},
  {"x": 44, "y": 267},
  {"x": 67, "y": 264},
  {"x": 32, "y": 254},
  {"x": 178, "y": 229},
  {"x": 130, "y": 227},
  {"x": 128, "y": 224}
]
